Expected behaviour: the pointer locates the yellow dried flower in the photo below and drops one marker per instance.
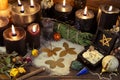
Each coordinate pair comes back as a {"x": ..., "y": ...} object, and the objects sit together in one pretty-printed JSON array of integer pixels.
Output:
[
  {"x": 14, "y": 72},
  {"x": 35, "y": 52},
  {"x": 21, "y": 70}
]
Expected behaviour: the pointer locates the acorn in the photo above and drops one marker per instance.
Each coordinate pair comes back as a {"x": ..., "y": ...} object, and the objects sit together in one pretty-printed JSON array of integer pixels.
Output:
[
  {"x": 17, "y": 60},
  {"x": 14, "y": 59}
]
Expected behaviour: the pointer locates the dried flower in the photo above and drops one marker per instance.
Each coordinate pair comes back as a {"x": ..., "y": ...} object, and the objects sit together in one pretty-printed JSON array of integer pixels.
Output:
[
  {"x": 14, "y": 72},
  {"x": 35, "y": 52},
  {"x": 51, "y": 52},
  {"x": 67, "y": 50},
  {"x": 21, "y": 70},
  {"x": 53, "y": 64},
  {"x": 28, "y": 59}
]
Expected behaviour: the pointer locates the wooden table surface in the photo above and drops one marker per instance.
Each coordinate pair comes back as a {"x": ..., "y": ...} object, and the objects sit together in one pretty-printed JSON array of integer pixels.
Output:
[{"x": 71, "y": 76}]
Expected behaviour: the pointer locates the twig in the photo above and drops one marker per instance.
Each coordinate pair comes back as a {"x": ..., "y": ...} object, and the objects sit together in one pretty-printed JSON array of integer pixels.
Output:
[{"x": 31, "y": 74}]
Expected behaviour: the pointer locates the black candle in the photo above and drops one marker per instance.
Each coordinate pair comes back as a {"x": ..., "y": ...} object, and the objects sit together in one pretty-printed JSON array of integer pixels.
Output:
[
  {"x": 107, "y": 16},
  {"x": 34, "y": 36},
  {"x": 15, "y": 40},
  {"x": 63, "y": 11},
  {"x": 84, "y": 19},
  {"x": 3, "y": 25}
]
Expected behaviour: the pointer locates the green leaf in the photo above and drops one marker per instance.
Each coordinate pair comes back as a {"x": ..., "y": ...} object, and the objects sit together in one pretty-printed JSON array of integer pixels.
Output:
[
  {"x": 8, "y": 60},
  {"x": 1, "y": 70}
]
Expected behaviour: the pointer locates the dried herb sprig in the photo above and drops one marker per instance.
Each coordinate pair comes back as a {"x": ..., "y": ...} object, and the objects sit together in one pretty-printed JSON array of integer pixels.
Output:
[{"x": 6, "y": 63}]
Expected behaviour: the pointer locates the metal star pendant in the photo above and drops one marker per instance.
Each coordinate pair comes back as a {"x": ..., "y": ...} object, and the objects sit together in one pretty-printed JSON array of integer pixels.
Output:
[{"x": 105, "y": 41}]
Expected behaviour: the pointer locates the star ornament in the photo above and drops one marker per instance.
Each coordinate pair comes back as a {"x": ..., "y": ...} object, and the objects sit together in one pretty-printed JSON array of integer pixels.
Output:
[{"x": 105, "y": 41}]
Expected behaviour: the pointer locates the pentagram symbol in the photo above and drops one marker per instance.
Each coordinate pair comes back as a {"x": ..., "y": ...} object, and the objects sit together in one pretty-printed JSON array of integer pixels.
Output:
[{"x": 105, "y": 41}]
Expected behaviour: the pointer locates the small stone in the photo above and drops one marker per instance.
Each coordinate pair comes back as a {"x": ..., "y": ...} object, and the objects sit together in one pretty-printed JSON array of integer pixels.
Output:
[{"x": 76, "y": 65}]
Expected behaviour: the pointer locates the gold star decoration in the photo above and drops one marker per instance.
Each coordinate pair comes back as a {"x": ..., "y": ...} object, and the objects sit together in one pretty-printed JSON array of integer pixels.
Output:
[{"x": 105, "y": 41}]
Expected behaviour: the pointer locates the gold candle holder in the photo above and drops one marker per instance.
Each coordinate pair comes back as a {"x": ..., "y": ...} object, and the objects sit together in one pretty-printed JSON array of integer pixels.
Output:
[
  {"x": 27, "y": 16},
  {"x": 107, "y": 16},
  {"x": 15, "y": 41}
]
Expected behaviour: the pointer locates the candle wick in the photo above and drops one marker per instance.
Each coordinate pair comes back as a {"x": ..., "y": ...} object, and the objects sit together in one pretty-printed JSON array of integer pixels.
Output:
[
  {"x": 22, "y": 11},
  {"x": 33, "y": 31},
  {"x": 14, "y": 34},
  {"x": 32, "y": 6},
  {"x": 19, "y": 4},
  {"x": 63, "y": 5},
  {"x": 85, "y": 14}
]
